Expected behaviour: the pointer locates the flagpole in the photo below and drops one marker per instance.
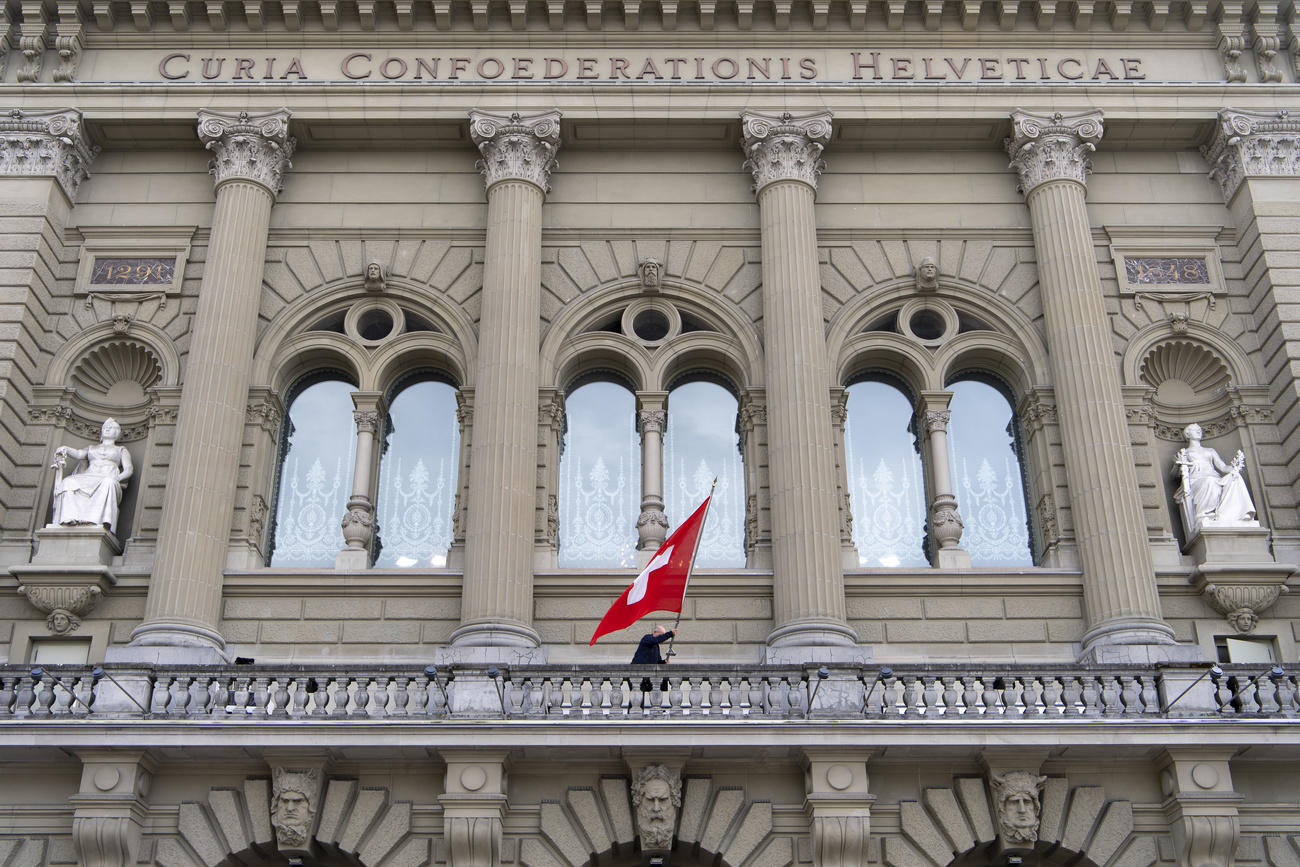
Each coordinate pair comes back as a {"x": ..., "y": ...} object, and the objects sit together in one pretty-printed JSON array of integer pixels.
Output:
[{"x": 690, "y": 570}]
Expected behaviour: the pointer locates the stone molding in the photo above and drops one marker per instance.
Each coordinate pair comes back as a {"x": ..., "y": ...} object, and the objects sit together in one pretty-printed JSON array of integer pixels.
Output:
[
  {"x": 518, "y": 147},
  {"x": 1252, "y": 144},
  {"x": 1053, "y": 147},
  {"x": 786, "y": 147},
  {"x": 248, "y": 147},
  {"x": 46, "y": 144}
]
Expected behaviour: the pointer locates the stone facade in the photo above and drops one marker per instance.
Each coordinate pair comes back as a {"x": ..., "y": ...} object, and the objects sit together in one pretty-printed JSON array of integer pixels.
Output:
[{"x": 209, "y": 208}]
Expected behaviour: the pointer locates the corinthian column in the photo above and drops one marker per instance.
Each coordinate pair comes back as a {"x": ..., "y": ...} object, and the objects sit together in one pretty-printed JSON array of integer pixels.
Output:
[
  {"x": 251, "y": 155},
  {"x": 497, "y": 598},
  {"x": 784, "y": 155},
  {"x": 1050, "y": 153}
]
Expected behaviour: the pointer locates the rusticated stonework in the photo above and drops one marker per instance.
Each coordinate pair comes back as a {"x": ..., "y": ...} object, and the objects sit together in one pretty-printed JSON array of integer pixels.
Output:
[
  {"x": 248, "y": 147},
  {"x": 1253, "y": 144},
  {"x": 785, "y": 148},
  {"x": 1052, "y": 147},
  {"x": 516, "y": 146},
  {"x": 46, "y": 144}
]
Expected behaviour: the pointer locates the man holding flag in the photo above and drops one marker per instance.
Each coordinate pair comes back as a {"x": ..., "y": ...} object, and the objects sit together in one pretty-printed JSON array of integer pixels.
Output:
[{"x": 661, "y": 586}]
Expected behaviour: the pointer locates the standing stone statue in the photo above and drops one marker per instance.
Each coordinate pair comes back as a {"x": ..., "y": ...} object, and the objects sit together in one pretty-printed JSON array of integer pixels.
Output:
[
  {"x": 1016, "y": 794},
  {"x": 293, "y": 805},
  {"x": 92, "y": 497},
  {"x": 1211, "y": 492},
  {"x": 656, "y": 795}
]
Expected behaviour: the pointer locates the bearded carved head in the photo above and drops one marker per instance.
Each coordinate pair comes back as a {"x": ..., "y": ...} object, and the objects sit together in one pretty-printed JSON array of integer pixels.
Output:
[
  {"x": 1017, "y": 796},
  {"x": 293, "y": 805},
  {"x": 651, "y": 270},
  {"x": 656, "y": 794}
]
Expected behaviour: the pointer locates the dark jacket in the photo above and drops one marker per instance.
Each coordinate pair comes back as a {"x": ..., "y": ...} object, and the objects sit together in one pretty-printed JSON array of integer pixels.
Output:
[{"x": 647, "y": 652}]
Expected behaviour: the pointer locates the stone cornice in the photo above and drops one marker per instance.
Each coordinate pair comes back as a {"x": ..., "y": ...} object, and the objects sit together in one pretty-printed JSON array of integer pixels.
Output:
[
  {"x": 46, "y": 144},
  {"x": 1053, "y": 147},
  {"x": 248, "y": 147},
  {"x": 1253, "y": 144},
  {"x": 516, "y": 146},
  {"x": 785, "y": 147}
]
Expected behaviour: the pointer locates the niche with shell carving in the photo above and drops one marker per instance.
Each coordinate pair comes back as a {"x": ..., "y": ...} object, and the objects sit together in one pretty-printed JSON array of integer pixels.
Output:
[
  {"x": 1187, "y": 377},
  {"x": 116, "y": 374}
]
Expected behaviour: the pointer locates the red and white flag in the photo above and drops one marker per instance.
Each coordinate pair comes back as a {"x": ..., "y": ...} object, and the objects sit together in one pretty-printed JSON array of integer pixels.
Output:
[{"x": 662, "y": 585}]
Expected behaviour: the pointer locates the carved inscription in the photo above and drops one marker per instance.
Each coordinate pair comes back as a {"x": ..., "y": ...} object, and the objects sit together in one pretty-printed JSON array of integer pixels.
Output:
[
  {"x": 1166, "y": 270},
  {"x": 133, "y": 272}
]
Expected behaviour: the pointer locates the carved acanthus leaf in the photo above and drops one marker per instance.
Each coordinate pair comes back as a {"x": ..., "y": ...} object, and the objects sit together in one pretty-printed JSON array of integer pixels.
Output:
[
  {"x": 248, "y": 147},
  {"x": 46, "y": 144},
  {"x": 516, "y": 146},
  {"x": 785, "y": 148},
  {"x": 1053, "y": 147},
  {"x": 1253, "y": 144}
]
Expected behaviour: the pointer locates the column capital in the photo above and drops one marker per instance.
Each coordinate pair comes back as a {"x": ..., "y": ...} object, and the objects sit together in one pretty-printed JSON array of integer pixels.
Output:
[
  {"x": 518, "y": 147},
  {"x": 248, "y": 147},
  {"x": 1053, "y": 147},
  {"x": 1252, "y": 144},
  {"x": 784, "y": 147},
  {"x": 46, "y": 144}
]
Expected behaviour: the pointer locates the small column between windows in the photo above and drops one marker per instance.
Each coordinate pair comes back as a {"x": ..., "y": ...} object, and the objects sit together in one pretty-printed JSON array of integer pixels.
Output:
[
  {"x": 359, "y": 520},
  {"x": 652, "y": 420},
  {"x": 945, "y": 520}
]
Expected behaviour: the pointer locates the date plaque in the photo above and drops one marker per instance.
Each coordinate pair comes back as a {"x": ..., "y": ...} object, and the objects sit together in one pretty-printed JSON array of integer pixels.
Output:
[{"x": 121, "y": 271}]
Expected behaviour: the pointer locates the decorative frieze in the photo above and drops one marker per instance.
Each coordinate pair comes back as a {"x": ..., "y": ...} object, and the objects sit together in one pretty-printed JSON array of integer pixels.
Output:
[
  {"x": 1253, "y": 144},
  {"x": 1053, "y": 147},
  {"x": 248, "y": 147},
  {"x": 516, "y": 146},
  {"x": 46, "y": 144},
  {"x": 785, "y": 148}
]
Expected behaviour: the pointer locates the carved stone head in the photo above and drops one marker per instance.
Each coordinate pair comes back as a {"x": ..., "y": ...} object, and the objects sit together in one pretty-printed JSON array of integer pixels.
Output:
[
  {"x": 656, "y": 794},
  {"x": 110, "y": 430},
  {"x": 62, "y": 621},
  {"x": 1194, "y": 432},
  {"x": 293, "y": 805},
  {"x": 374, "y": 277},
  {"x": 650, "y": 270},
  {"x": 1016, "y": 794},
  {"x": 927, "y": 275}
]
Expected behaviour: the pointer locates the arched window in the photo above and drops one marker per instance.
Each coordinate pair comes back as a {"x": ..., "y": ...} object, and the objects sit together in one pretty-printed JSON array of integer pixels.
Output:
[
  {"x": 316, "y": 459},
  {"x": 417, "y": 476},
  {"x": 987, "y": 472},
  {"x": 884, "y": 470},
  {"x": 701, "y": 442},
  {"x": 600, "y": 478}
]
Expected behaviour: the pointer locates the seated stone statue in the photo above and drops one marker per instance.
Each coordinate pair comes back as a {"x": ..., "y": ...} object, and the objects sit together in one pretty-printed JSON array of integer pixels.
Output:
[
  {"x": 91, "y": 497},
  {"x": 1212, "y": 492}
]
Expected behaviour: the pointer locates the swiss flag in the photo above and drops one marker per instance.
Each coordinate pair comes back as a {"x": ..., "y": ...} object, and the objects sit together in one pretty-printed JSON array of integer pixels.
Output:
[{"x": 663, "y": 583}]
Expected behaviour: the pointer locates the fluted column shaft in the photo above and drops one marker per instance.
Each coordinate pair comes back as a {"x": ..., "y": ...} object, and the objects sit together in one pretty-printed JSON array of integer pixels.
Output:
[
  {"x": 184, "y": 603},
  {"x": 1119, "y": 587},
  {"x": 808, "y": 584},
  {"x": 497, "y": 599}
]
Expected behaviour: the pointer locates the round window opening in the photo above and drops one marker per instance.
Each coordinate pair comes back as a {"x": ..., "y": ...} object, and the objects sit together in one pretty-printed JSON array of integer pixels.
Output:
[
  {"x": 375, "y": 324},
  {"x": 651, "y": 325},
  {"x": 927, "y": 325}
]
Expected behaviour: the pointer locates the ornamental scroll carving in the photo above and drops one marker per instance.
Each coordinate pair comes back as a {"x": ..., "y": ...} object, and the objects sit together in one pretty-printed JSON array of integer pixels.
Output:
[
  {"x": 785, "y": 148},
  {"x": 1252, "y": 144},
  {"x": 46, "y": 143},
  {"x": 248, "y": 147},
  {"x": 519, "y": 147},
  {"x": 1053, "y": 147}
]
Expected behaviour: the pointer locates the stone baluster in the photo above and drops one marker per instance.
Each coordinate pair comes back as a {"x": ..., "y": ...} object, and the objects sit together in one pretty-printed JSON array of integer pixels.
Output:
[
  {"x": 359, "y": 521},
  {"x": 784, "y": 155},
  {"x": 497, "y": 601},
  {"x": 1050, "y": 154},
  {"x": 251, "y": 156},
  {"x": 652, "y": 419},
  {"x": 945, "y": 521}
]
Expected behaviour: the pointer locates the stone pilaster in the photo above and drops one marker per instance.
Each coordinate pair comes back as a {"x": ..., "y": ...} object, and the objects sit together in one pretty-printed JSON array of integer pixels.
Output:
[
  {"x": 1255, "y": 158},
  {"x": 44, "y": 157},
  {"x": 945, "y": 520},
  {"x": 1051, "y": 156},
  {"x": 110, "y": 809},
  {"x": 473, "y": 807},
  {"x": 784, "y": 155},
  {"x": 497, "y": 602},
  {"x": 250, "y": 156},
  {"x": 1201, "y": 806},
  {"x": 652, "y": 419},
  {"x": 838, "y": 804},
  {"x": 359, "y": 520}
]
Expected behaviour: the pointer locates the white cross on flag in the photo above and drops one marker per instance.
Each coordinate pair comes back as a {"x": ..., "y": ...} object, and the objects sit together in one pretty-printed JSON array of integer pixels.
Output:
[{"x": 662, "y": 585}]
